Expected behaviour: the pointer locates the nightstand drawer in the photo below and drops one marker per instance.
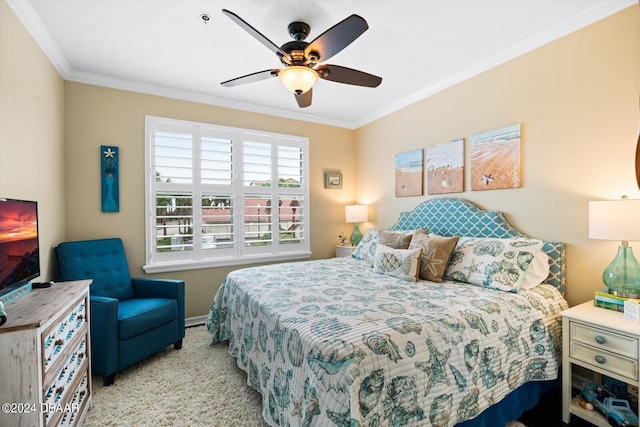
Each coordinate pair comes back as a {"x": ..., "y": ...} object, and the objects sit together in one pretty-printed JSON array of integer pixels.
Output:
[
  {"x": 605, "y": 340},
  {"x": 604, "y": 359}
]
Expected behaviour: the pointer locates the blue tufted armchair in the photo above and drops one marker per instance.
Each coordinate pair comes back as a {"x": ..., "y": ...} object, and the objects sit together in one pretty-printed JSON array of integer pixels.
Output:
[{"x": 131, "y": 318}]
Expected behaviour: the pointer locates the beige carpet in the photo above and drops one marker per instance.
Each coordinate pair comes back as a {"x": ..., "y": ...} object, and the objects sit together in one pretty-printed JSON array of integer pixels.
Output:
[{"x": 199, "y": 385}]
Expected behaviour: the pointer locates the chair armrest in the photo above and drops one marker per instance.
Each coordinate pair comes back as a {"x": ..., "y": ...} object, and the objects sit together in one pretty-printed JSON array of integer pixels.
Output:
[
  {"x": 104, "y": 334},
  {"x": 158, "y": 288},
  {"x": 162, "y": 288}
]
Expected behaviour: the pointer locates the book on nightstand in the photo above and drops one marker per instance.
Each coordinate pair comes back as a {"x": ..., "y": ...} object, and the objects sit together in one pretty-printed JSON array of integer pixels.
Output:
[{"x": 609, "y": 301}]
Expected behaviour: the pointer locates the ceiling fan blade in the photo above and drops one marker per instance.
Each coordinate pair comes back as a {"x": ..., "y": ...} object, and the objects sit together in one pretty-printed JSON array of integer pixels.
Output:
[
  {"x": 304, "y": 99},
  {"x": 337, "y": 37},
  {"x": 250, "y": 78},
  {"x": 255, "y": 33},
  {"x": 336, "y": 73}
]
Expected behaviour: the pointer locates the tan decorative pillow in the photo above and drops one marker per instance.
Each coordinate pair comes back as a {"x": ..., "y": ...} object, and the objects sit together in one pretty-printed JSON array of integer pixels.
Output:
[
  {"x": 396, "y": 239},
  {"x": 436, "y": 251}
]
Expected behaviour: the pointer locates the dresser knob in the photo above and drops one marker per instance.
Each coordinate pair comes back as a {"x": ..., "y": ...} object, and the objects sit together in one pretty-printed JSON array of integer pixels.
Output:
[
  {"x": 600, "y": 339},
  {"x": 601, "y": 359}
]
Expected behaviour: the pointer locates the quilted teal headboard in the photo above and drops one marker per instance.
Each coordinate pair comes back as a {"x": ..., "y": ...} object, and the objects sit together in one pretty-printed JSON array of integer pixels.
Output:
[{"x": 459, "y": 217}]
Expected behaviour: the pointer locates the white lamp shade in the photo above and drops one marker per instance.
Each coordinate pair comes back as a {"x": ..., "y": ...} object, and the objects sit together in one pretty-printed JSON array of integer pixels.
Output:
[
  {"x": 356, "y": 213},
  {"x": 615, "y": 220},
  {"x": 298, "y": 79}
]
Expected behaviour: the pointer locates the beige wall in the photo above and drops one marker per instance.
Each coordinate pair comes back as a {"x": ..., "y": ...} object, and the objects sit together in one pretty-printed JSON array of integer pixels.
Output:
[
  {"x": 577, "y": 100},
  {"x": 96, "y": 116},
  {"x": 32, "y": 159}
]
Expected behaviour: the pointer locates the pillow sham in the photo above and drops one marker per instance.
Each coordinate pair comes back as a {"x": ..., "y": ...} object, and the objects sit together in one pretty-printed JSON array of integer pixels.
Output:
[
  {"x": 436, "y": 251},
  {"x": 366, "y": 249},
  {"x": 507, "y": 264},
  {"x": 396, "y": 239},
  {"x": 538, "y": 272},
  {"x": 401, "y": 263}
]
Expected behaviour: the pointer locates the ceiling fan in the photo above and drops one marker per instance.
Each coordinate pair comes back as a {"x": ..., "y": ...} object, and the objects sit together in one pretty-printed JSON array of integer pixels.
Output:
[{"x": 301, "y": 59}]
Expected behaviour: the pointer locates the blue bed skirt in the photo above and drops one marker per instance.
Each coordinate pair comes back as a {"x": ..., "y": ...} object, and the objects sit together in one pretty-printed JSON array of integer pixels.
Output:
[{"x": 514, "y": 404}]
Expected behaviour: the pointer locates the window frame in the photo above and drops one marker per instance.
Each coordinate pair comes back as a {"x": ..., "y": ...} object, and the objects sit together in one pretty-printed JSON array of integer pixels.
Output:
[{"x": 241, "y": 252}]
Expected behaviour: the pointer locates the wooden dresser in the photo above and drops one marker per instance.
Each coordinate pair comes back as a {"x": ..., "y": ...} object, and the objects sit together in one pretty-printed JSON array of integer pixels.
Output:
[{"x": 44, "y": 357}]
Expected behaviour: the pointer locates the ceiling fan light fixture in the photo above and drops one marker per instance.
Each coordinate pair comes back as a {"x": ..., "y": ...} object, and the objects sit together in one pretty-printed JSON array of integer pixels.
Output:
[{"x": 298, "y": 79}]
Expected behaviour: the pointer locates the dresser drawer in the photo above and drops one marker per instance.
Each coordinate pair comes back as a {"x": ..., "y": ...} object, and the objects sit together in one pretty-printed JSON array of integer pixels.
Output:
[
  {"x": 57, "y": 338},
  {"x": 60, "y": 383},
  {"x": 604, "y": 339},
  {"x": 75, "y": 407},
  {"x": 604, "y": 359}
]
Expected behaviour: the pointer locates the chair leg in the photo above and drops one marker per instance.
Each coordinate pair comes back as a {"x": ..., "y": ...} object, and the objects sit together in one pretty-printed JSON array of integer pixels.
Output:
[
  {"x": 109, "y": 379},
  {"x": 178, "y": 344}
]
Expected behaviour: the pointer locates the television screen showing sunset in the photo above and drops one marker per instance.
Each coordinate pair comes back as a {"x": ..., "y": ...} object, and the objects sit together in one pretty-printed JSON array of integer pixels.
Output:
[
  {"x": 18, "y": 221},
  {"x": 19, "y": 252}
]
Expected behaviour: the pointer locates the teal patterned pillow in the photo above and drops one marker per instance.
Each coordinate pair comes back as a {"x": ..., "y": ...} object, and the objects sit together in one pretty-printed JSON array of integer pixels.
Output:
[
  {"x": 503, "y": 264},
  {"x": 366, "y": 249},
  {"x": 401, "y": 263}
]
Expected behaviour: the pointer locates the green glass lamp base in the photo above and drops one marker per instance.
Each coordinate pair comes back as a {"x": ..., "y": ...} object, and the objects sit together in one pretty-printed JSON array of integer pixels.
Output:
[
  {"x": 622, "y": 276},
  {"x": 356, "y": 236}
]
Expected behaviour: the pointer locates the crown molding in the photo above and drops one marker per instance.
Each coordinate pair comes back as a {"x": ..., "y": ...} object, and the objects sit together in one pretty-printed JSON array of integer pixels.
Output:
[
  {"x": 38, "y": 31},
  {"x": 167, "y": 92},
  {"x": 26, "y": 13},
  {"x": 601, "y": 10}
]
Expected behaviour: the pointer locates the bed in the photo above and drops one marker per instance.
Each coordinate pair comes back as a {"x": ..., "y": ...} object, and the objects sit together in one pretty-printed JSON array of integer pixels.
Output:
[{"x": 355, "y": 342}]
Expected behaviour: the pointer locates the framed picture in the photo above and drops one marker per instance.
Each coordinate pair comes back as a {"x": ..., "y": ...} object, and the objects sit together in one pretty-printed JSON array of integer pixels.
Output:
[
  {"x": 409, "y": 173},
  {"x": 445, "y": 167},
  {"x": 495, "y": 159},
  {"x": 332, "y": 179}
]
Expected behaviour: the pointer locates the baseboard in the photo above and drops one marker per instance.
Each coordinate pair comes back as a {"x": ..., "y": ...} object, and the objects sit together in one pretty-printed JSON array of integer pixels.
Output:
[{"x": 194, "y": 321}]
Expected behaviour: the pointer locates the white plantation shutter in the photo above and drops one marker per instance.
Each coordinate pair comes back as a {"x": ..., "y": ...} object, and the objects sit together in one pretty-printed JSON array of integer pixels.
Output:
[{"x": 215, "y": 196}]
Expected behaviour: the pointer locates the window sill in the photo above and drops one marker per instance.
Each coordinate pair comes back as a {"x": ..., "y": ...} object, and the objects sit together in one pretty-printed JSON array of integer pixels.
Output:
[{"x": 182, "y": 265}]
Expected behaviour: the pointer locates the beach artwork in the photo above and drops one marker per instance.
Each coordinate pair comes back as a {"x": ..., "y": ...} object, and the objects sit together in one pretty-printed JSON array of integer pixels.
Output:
[
  {"x": 409, "y": 167},
  {"x": 445, "y": 167},
  {"x": 495, "y": 159}
]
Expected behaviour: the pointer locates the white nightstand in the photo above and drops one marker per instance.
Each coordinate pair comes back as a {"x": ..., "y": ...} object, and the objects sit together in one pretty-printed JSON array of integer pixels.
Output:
[
  {"x": 344, "y": 250},
  {"x": 596, "y": 341}
]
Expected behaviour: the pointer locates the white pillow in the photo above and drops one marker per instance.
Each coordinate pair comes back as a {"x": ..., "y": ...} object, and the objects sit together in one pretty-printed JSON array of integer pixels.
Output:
[
  {"x": 505, "y": 264},
  {"x": 366, "y": 249},
  {"x": 401, "y": 263},
  {"x": 538, "y": 271}
]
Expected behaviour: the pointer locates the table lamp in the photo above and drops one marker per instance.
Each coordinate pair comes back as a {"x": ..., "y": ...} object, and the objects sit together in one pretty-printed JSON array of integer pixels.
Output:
[
  {"x": 618, "y": 220},
  {"x": 356, "y": 214}
]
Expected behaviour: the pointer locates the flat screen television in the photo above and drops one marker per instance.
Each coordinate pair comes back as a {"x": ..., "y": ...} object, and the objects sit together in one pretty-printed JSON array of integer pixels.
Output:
[{"x": 19, "y": 244}]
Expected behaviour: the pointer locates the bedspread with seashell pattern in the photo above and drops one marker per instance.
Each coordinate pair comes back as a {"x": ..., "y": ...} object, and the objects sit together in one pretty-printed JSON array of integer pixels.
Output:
[{"x": 330, "y": 342}]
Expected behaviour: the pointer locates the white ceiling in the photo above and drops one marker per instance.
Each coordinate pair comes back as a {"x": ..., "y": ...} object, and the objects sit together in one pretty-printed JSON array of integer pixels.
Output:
[{"x": 418, "y": 47}]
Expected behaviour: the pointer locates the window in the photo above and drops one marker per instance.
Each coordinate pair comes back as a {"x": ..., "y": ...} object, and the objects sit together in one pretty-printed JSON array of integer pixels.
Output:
[{"x": 215, "y": 195}]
